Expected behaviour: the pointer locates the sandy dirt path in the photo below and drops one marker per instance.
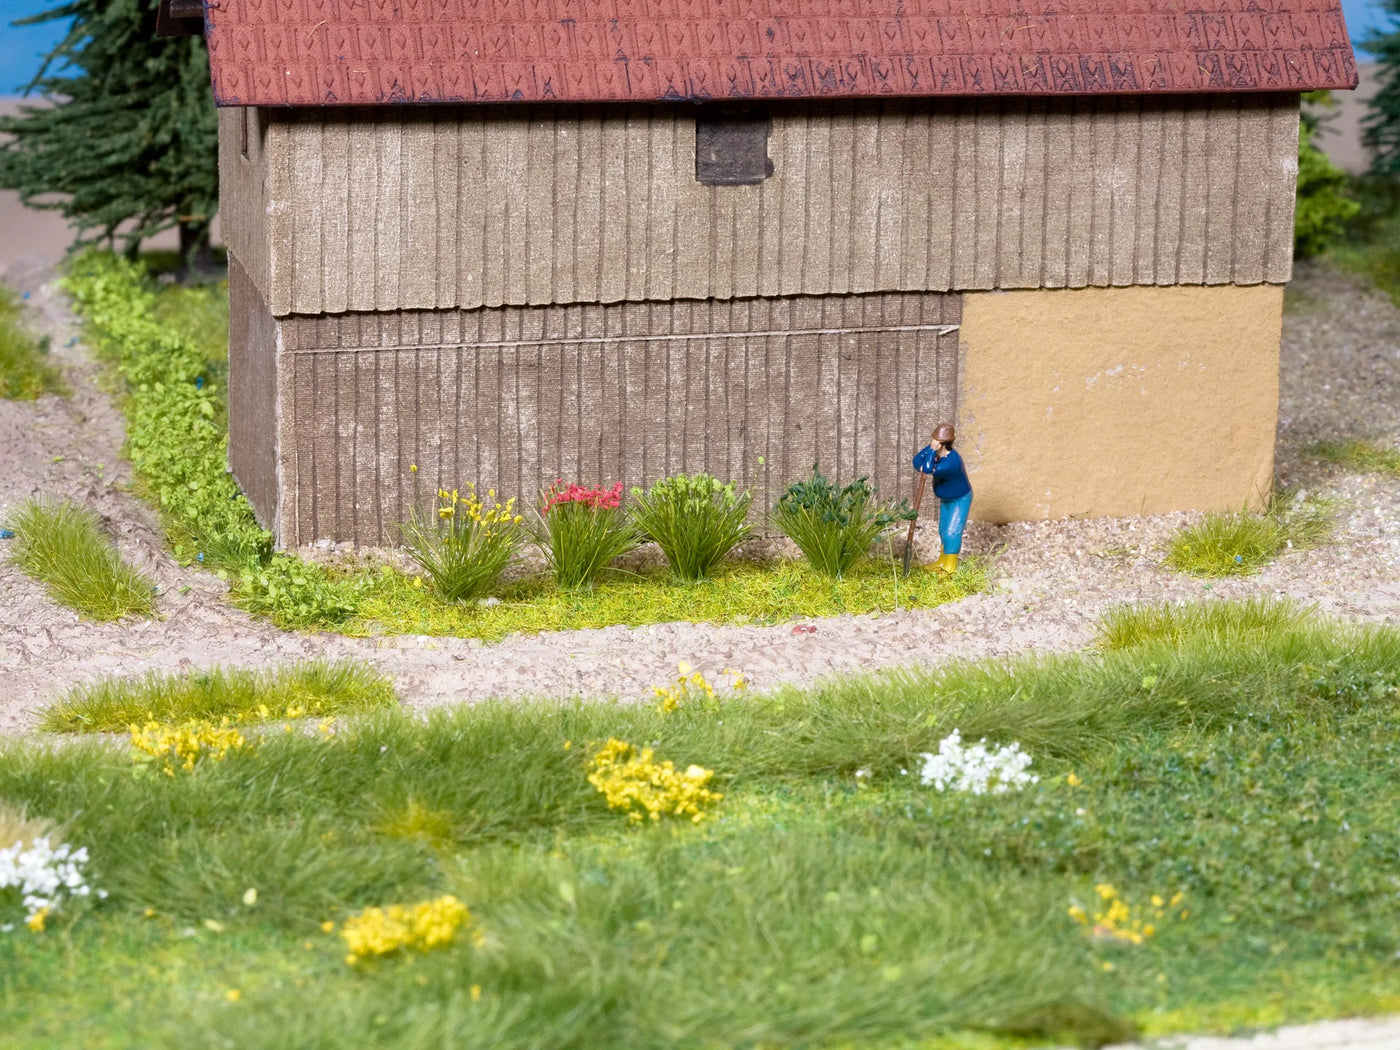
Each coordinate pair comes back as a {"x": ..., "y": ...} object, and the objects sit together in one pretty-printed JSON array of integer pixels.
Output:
[{"x": 1052, "y": 579}]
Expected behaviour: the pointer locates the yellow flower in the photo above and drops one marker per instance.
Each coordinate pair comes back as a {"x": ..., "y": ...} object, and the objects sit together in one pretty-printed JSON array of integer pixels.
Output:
[
  {"x": 327, "y": 926},
  {"x": 476, "y": 992},
  {"x": 1073, "y": 781},
  {"x": 36, "y": 921},
  {"x": 383, "y": 931},
  {"x": 233, "y": 995},
  {"x": 413, "y": 468},
  {"x": 646, "y": 789}
]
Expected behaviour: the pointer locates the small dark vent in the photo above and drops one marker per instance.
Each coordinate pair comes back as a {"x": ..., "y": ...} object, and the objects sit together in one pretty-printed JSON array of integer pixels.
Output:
[{"x": 731, "y": 147}]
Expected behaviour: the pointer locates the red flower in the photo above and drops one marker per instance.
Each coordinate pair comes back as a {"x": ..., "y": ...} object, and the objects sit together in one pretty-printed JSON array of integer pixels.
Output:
[{"x": 594, "y": 499}]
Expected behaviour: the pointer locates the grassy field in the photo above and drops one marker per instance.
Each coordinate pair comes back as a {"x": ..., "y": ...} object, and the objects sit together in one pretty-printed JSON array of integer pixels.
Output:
[{"x": 1238, "y": 763}]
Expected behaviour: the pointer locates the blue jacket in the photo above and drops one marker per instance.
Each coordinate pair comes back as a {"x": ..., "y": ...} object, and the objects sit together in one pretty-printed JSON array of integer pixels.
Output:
[{"x": 949, "y": 475}]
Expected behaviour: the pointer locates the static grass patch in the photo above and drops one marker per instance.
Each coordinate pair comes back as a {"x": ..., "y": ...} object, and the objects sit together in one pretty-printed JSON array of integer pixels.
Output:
[
  {"x": 1364, "y": 457},
  {"x": 1225, "y": 622},
  {"x": 1253, "y": 772},
  {"x": 25, "y": 370},
  {"x": 64, "y": 547},
  {"x": 315, "y": 688},
  {"x": 739, "y": 592},
  {"x": 1242, "y": 543}
]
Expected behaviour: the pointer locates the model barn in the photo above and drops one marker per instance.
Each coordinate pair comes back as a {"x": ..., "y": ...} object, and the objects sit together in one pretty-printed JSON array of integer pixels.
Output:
[{"x": 514, "y": 240}]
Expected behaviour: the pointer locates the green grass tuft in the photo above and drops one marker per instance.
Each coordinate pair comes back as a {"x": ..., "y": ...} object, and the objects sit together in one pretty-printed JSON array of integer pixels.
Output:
[
  {"x": 64, "y": 547},
  {"x": 25, "y": 371},
  {"x": 1242, "y": 543},
  {"x": 314, "y": 688},
  {"x": 1365, "y": 457},
  {"x": 739, "y": 592},
  {"x": 1128, "y": 626}
]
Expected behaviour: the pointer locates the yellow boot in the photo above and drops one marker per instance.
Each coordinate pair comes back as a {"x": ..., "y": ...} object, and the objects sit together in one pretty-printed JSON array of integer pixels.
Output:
[{"x": 948, "y": 562}]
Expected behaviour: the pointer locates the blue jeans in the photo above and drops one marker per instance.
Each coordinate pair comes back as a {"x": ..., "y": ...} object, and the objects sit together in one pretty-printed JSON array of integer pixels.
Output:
[{"x": 952, "y": 519}]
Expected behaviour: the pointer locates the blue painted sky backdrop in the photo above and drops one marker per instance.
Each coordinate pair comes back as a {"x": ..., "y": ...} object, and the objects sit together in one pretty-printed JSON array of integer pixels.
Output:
[{"x": 21, "y": 49}]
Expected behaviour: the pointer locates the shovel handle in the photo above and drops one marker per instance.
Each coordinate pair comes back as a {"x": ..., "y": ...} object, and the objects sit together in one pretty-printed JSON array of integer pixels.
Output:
[{"x": 918, "y": 498}]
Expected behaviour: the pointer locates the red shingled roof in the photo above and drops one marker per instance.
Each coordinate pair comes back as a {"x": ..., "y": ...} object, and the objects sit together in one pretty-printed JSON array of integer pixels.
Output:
[{"x": 368, "y": 52}]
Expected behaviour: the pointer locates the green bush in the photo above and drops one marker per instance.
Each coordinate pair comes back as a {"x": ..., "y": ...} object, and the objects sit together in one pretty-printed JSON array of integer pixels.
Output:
[
  {"x": 178, "y": 446},
  {"x": 832, "y": 527},
  {"x": 581, "y": 530},
  {"x": 63, "y": 546},
  {"x": 465, "y": 545},
  {"x": 696, "y": 520},
  {"x": 1323, "y": 206}
]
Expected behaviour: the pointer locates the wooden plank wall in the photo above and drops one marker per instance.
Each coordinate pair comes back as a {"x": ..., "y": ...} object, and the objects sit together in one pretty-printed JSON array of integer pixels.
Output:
[
  {"x": 451, "y": 208},
  {"x": 512, "y": 398},
  {"x": 244, "y": 192},
  {"x": 252, "y": 394}
]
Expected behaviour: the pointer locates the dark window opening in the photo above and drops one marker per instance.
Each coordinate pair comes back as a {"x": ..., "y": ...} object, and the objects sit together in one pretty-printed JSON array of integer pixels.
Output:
[
  {"x": 731, "y": 147},
  {"x": 243, "y": 139}
]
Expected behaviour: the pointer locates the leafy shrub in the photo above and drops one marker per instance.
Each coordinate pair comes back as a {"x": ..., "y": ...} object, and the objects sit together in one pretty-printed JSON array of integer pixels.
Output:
[
  {"x": 178, "y": 446},
  {"x": 63, "y": 546},
  {"x": 466, "y": 545},
  {"x": 696, "y": 520},
  {"x": 833, "y": 527},
  {"x": 25, "y": 372},
  {"x": 1323, "y": 206},
  {"x": 581, "y": 530}
]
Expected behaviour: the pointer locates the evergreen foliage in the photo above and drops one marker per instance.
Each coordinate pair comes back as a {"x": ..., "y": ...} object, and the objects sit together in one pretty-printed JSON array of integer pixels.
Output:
[
  {"x": 1382, "y": 123},
  {"x": 130, "y": 135}
]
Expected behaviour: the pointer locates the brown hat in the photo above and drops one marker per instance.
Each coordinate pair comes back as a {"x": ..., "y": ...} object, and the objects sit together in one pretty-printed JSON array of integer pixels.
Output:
[{"x": 944, "y": 434}]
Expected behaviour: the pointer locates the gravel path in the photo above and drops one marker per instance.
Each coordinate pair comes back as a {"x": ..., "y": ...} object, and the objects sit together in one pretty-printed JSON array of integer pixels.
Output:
[
  {"x": 1350, "y": 1034},
  {"x": 1341, "y": 378}
]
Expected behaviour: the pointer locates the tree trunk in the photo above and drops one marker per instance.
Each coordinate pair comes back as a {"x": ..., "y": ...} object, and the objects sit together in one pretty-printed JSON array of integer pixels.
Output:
[{"x": 196, "y": 255}]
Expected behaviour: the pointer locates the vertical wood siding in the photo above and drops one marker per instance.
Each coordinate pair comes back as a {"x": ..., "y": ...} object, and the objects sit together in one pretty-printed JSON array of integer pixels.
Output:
[
  {"x": 512, "y": 398},
  {"x": 252, "y": 394},
  {"x": 450, "y": 208}
]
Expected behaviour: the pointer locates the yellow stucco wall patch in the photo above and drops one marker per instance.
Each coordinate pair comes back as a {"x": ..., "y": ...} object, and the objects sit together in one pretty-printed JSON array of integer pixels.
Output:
[{"x": 1113, "y": 401}]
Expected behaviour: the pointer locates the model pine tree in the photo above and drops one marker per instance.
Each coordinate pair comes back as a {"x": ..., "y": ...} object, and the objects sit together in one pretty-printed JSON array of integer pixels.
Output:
[
  {"x": 1382, "y": 124},
  {"x": 130, "y": 135}
]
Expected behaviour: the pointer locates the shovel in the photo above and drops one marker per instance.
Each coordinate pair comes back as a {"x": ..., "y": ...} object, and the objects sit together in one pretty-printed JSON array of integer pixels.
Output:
[{"x": 918, "y": 498}]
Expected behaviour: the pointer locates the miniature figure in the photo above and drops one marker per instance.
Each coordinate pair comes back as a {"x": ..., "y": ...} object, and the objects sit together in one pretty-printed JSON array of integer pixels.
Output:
[{"x": 952, "y": 488}]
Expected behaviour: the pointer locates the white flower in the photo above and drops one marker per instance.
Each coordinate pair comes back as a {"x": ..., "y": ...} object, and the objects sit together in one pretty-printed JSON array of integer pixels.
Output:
[
  {"x": 977, "y": 769},
  {"x": 43, "y": 874}
]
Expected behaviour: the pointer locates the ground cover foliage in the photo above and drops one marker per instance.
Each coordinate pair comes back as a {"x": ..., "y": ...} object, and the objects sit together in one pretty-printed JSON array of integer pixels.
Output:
[
  {"x": 25, "y": 370},
  {"x": 1243, "y": 757},
  {"x": 167, "y": 348}
]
